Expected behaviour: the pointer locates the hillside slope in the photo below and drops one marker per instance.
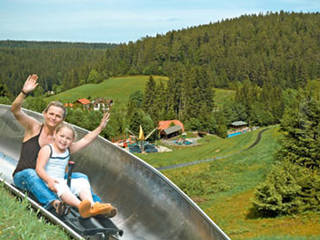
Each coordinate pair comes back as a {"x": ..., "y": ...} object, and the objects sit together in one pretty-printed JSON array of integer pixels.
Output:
[{"x": 117, "y": 88}]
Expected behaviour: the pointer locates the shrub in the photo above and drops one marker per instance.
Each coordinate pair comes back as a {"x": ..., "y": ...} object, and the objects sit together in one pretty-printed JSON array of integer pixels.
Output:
[{"x": 288, "y": 189}]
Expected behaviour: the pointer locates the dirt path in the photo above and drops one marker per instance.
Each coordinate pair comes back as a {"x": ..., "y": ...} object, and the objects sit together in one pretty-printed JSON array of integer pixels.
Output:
[{"x": 215, "y": 158}]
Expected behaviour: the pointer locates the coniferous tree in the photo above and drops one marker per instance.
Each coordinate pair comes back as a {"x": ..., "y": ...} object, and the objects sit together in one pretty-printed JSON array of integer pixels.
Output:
[
  {"x": 294, "y": 185},
  {"x": 140, "y": 118},
  {"x": 135, "y": 102},
  {"x": 176, "y": 88},
  {"x": 150, "y": 97},
  {"x": 161, "y": 101}
]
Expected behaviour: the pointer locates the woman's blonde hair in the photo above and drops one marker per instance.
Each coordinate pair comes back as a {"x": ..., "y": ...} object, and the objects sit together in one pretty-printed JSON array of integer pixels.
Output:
[
  {"x": 56, "y": 104},
  {"x": 66, "y": 125}
]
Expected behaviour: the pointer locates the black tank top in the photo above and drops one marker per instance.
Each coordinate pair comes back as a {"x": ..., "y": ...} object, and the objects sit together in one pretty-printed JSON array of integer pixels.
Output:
[{"x": 29, "y": 154}]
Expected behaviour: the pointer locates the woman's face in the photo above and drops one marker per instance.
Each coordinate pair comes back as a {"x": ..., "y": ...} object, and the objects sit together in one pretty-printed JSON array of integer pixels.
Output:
[
  {"x": 63, "y": 138},
  {"x": 54, "y": 116}
]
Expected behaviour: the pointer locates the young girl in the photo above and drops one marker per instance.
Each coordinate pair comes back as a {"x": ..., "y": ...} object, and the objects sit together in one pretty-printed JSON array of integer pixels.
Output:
[{"x": 51, "y": 166}]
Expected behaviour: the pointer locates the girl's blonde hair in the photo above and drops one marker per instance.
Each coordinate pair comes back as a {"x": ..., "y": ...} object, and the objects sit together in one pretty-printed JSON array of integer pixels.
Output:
[{"x": 66, "y": 125}]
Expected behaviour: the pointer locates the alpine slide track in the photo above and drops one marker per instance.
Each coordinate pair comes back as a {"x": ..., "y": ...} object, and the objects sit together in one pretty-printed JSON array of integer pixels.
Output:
[{"x": 150, "y": 206}]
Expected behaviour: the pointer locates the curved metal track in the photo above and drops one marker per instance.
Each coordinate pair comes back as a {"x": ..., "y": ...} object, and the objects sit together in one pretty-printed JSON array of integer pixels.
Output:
[{"x": 150, "y": 206}]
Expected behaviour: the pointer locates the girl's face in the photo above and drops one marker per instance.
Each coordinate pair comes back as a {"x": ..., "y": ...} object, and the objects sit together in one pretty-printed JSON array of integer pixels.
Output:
[{"x": 63, "y": 138}]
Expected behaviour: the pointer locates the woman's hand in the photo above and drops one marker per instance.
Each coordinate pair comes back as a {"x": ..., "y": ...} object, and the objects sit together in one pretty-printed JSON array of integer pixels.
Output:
[{"x": 30, "y": 84}]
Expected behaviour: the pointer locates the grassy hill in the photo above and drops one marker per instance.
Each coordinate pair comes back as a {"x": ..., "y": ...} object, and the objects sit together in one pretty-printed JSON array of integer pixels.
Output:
[
  {"x": 224, "y": 188},
  {"x": 120, "y": 88},
  {"x": 117, "y": 88}
]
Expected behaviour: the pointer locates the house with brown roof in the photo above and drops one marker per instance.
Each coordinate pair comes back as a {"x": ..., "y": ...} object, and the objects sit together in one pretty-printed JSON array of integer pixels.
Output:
[
  {"x": 170, "y": 128},
  {"x": 97, "y": 104},
  {"x": 101, "y": 104},
  {"x": 82, "y": 102}
]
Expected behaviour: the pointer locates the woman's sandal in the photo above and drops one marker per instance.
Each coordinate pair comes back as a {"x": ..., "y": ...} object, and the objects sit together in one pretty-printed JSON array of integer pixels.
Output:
[{"x": 60, "y": 207}]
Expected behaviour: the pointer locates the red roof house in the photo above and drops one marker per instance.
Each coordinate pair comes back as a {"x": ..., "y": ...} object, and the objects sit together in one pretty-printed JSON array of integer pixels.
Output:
[
  {"x": 170, "y": 128},
  {"x": 163, "y": 125},
  {"x": 84, "y": 101}
]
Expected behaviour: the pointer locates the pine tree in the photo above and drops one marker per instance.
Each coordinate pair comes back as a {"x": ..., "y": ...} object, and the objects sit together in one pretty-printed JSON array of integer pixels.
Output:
[
  {"x": 135, "y": 102},
  {"x": 294, "y": 184},
  {"x": 150, "y": 104},
  {"x": 302, "y": 137}
]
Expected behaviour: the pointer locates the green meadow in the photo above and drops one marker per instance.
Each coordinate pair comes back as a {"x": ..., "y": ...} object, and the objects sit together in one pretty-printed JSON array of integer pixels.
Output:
[
  {"x": 222, "y": 96},
  {"x": 210, "y": 146},
  {"x": 224, "y": 187},
  {"x": 120, "y": 88},
  {"x": 18, "y": 221},
  {"x": 117, "y": 88}
]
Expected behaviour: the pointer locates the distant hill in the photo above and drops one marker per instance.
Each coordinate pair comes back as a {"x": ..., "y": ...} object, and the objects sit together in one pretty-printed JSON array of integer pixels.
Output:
[
  {"x": 52, "y": 44},
  {"x": 274, "y": 48},
  {"x": 117, "y": 88},
  {"x": 120, "y": 88},
  {"x": 58, "y": 64}
]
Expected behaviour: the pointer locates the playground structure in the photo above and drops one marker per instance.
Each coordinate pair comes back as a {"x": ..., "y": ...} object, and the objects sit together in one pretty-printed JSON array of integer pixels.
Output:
[
  {"x": 141, "y": 145},
  {"x": 150, "y": 206}
]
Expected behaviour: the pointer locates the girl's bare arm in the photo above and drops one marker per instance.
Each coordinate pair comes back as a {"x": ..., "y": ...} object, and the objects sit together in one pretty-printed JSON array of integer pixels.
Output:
[
  {"x": 87, "y": 139},
  {"x": 42, "y": 160}
]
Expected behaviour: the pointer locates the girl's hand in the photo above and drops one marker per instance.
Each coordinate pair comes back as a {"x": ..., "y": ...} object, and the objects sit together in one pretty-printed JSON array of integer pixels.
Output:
[
  {"x": 105, "y": 120},
  {"x": 51, "y": 185},
  {"x": 30, "y": 84}
]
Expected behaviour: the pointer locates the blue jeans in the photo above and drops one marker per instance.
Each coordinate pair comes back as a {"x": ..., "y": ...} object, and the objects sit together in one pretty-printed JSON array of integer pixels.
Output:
[{"x": 28, "y": 180}]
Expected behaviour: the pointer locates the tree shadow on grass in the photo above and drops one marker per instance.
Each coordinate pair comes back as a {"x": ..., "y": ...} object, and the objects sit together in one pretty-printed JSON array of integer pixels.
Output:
[{"x": 253, "y": 213}]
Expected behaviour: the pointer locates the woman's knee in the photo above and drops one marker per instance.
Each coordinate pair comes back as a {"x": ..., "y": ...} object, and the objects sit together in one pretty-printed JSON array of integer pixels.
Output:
[
  {"x": 31, "y": 173},
  {"x": 22, "y": 178}
]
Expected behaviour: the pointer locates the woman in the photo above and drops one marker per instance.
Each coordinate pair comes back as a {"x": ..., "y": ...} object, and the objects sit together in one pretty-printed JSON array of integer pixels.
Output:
[{"x": 37, "y": 135}]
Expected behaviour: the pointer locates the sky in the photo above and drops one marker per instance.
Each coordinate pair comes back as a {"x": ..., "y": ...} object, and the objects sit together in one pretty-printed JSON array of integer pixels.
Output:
[{"x": 121, "y": 21}]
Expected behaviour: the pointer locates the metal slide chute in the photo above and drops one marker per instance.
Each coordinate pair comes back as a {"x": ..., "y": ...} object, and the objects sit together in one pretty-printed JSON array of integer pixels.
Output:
[{"x": 150, "y": 206}]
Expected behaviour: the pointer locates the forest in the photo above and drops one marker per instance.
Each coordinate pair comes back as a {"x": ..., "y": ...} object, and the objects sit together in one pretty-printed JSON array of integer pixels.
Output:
[{"x": 61, "y": 65}]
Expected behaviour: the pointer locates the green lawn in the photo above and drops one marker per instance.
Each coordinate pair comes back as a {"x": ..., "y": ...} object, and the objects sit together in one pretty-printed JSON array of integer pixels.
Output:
[
  {"x": 223, "y": 95},
  {"x": 117, "y": 88},
  {"x": 208, "y": 147},
  {"x": 17, "y": 221},
  {"x": 120, "y": 88},
  {"x": 224, "y": 188}
]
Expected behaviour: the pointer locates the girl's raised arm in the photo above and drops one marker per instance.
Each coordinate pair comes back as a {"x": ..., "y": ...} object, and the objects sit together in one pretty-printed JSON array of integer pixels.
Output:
[{"x": 87, "y": 139}]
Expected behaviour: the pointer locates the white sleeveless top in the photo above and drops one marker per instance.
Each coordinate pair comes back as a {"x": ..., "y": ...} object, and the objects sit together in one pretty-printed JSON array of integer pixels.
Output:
[{"x": 57, "y": 163}]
